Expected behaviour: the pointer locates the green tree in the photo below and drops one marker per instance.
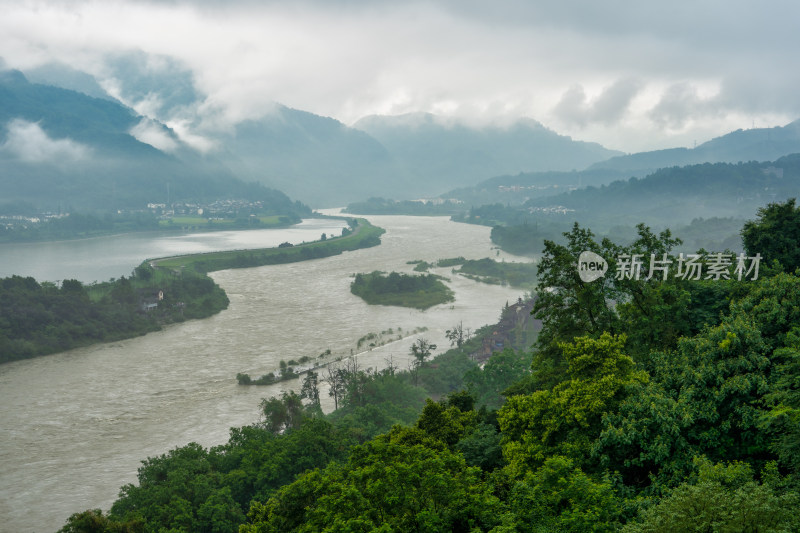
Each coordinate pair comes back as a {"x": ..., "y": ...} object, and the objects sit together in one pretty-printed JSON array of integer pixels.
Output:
[
  {"x": 400, "y": 481},
  {"x": 93, "y": 521},
  {"x": 284, "y": 413},
  {"x": 705, "y": 398},
  {"x": 448, "y": 424},
  {"x": 456, "y": 335},
  {"x": 782, "y": 420},
  {"x": 569, "y": 307},
  {"x": 310, "y": 391},
  {"x": 220, "y": 513},
  {"x": 481, "y": 447},
  {"x": 501, "y": 371},
  {"x": 559, "y": 496},
  {"x": 725, "y": 498},
  {"x": 422, "y": 350},
  {"x": 775, "y": 234},
  {"x": 566, "y": 419},
  {"x": 335, "y": 379}
]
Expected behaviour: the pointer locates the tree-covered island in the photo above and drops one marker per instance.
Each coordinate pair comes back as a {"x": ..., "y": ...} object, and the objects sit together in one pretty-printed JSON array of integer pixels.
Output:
[{"x": 419, "y": 292}]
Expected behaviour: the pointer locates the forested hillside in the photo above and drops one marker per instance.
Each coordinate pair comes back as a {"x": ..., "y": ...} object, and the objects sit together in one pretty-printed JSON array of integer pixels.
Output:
[
  {"x": 680, "y": 194},
  {"x": 62, "y": 150},
  {"x": 664, "y": 402}
]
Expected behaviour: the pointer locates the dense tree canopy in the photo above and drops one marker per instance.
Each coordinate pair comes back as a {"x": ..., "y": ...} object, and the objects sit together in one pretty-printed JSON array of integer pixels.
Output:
[
  {"x": 661, "y": 405},
  {"x": 775, "y": 234}
]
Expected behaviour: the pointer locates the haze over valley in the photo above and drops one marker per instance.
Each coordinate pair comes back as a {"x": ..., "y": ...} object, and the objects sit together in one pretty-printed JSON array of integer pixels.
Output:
[{"x": 421, "y": 266}]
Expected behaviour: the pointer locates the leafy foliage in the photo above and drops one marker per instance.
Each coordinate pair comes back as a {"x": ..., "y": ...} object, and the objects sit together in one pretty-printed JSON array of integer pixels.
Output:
[
  {"x": 689, "y": 426},
  {"x": 38, "y": 319},
  {"x": 724, "y": 498},
  {"x": 420, "y": 292},
  {"x": 775, "y": 234},
  {"x": 401, "y": 481},
  {"x": 564, "y": 420}
]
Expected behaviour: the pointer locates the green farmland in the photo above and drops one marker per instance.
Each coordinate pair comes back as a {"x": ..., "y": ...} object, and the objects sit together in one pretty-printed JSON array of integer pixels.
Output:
[{"x": 364, "y": 235}]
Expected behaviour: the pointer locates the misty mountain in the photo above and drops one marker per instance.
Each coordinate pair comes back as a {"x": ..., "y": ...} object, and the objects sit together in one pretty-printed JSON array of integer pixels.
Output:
[
  {"x": 681, "y": 194},
  {"x": 766, "y": 144},
  {"x": 324, "y": 162},
  {"x": 65, "y": 77},
  {"x": 314, "y": 158},
  {"x": 82, "y": 150},
  {"x": 516, "y": 189},
  {"x": 62, "y": 150},
  {"x": 456, "y": 154},
  {"x": 759, "y": 144}
]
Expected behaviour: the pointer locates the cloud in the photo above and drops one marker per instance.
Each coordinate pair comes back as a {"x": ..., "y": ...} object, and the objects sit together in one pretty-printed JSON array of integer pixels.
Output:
[
  {"x": 29, "y": 142},
  {"x": 572, "y": 107},
  {"x": 612, "y": 69},
  {"x": 682, "y": 103},
  {"x": 155, "y": 134},
  {"x": 607, "y": 108}
]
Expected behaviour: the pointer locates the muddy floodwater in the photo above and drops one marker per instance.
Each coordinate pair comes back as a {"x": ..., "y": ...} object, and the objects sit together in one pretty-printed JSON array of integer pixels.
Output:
[{"x": 76, "y": 425}]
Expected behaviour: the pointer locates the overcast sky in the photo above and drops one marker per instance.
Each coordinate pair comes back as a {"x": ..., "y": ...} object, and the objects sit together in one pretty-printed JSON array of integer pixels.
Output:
[{"x": 632, "y": 75}]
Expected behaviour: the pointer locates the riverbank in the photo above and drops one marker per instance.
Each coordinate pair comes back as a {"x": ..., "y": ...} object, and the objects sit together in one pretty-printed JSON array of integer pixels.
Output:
[
  {"x": 81, "y": 226},
  {"x": 77, "y": 425},
  {"x": 361, "y": 235},
  {"x": 44, "y": 318}
]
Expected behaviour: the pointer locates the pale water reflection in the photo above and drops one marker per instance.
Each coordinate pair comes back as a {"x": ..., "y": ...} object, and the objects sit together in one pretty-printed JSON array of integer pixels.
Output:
[{"x": 102, "y": 258}]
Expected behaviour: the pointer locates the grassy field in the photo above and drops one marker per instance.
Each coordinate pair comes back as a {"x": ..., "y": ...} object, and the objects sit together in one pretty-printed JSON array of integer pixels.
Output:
[
  {"x": 268, "y": 221},
  {"x": 365, "y": 235}
]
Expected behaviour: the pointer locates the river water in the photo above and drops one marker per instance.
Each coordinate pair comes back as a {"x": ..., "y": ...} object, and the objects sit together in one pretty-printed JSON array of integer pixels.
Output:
[
  {"x": 102, "y": 258},
  {"x": 76, "y": 425}
]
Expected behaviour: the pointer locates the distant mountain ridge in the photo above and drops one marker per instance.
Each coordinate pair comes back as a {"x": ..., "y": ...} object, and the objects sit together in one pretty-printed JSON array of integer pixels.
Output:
[
  {"x": 431, "y": 146},
  {"x": 318, "y": 159},
  {"x": 681, "y": 194},
  {"x": 312, "y": 158},
  {"x": 64, "y": 150},
  {"x": 323, "y": 161},
  {"x": 123, "y": 158},
  {"x": 758, "y": 144}
]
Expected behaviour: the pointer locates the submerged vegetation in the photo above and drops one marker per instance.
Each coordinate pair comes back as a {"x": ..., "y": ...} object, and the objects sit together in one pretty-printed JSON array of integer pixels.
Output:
[
  {"x": 660, "y": 404},
  {"x": 419, "y": 292},
  {"x": 521, "y": 275}
]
